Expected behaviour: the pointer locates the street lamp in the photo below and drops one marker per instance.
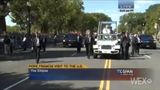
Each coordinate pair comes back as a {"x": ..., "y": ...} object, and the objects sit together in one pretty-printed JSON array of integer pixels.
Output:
[{"x": 29, "y": 17}]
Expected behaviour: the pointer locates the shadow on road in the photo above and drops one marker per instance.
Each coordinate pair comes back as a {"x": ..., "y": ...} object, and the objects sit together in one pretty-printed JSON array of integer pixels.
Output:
[
  {"x": 42, "y": 85},
  {"x": 115, "y": 57},
  {"x": 32, "y": 55},
  {"x": 101, "y": 57},
  {"x": 26, "y": 55},
  {"x": 7, "y": 79}
]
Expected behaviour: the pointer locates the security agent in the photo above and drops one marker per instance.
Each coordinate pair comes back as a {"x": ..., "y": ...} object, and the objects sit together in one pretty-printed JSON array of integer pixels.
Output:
[
  {"x": 43, "y": 41},
  {"x": 88, "y": 43},
  {"x": 125, "y": 44},
  {"x": 79, "y": 43},
  {"x": 36, "y": 42}
]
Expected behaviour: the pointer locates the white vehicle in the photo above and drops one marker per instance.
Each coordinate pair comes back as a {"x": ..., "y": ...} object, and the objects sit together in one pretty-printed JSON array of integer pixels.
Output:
[{"x": 107, "y": 43}]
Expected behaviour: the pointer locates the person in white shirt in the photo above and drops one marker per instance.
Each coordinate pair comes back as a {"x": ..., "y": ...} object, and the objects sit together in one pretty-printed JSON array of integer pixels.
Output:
[
  {"x": 138, "y": 43},
  {"x": 24, "y": 42},
  {"x": 37, "y": 47},
  {"x": 107, "y": 30}
]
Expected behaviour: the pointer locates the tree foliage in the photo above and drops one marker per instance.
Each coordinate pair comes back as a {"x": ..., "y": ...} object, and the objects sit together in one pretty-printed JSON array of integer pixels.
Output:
[
  {"x": 138, "y": 22},
  {"x": 152, "y": 17},
  {"x": 4, "y": 10},
  {"x": 55, "y": 15},
  {"x": 13, "y": 28},
  {"x": 90, "y": 20},
  {"x": 132, "y": 22}
]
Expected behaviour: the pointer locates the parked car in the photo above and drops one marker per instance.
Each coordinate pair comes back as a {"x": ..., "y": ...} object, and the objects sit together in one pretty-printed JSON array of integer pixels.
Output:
[
  {"x": 147, "y": 41},
  {"x": 70, "y": 40}
]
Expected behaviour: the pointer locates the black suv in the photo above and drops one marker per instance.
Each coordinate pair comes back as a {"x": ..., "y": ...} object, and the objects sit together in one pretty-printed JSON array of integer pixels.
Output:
[
  {"x": 70, "y": 40},
  {"x": 147, "y": 41}
]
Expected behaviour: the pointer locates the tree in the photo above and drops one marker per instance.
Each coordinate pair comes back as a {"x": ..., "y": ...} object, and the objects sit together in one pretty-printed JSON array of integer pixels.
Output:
[
  {"x": 19, "y": 12},
  {"x": 132, "y": 22},
  {"x": 152, "y": 17},
  {"x": 56, "y": 15},
  {"x": 13, "y": 28},
  {"x": 90, "y": 20},
  {"x": 4, "y": 10},
  {"x": 46, "y": 15}
]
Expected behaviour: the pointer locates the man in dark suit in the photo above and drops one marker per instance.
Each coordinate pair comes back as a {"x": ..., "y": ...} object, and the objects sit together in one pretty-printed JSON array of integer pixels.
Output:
[
  {"x": 43, "y": 41},
  {"x": 125, "y": 43},
  {"x": 79, "y": 43},
  {"x": 88, "y": 43}
]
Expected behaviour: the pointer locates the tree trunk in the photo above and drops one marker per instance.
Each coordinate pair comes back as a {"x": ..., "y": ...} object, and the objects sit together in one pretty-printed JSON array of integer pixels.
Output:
[
  {"x": 2, "y": 24},
  {"x": 44, "y": 28}
]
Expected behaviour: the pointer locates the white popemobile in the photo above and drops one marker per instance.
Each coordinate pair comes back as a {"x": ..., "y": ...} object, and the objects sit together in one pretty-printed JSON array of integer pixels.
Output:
[{"x": 107, "y": 42}]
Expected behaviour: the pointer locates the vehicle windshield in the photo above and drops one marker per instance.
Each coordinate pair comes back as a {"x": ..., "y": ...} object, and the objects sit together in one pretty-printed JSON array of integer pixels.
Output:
[
  {"x": 146, "y": 37},
  {"x": 107, "y": 37},
  {"x": 70, "y": 36}
]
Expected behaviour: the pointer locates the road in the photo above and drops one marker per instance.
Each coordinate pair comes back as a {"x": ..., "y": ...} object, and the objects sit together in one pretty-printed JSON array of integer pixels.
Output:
[{"x": 14, "y": 71}]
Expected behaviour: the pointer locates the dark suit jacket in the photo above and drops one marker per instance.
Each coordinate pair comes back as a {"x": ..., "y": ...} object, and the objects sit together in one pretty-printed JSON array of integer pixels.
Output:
[{"x": 125, "y": 42}]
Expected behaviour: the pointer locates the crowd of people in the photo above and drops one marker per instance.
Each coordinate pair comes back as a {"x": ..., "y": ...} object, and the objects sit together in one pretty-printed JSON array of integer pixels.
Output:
[
  {"x": 12, "y": 41},
  {"x": 127, "y": 41},
  {"x": 35, "y": 41},
  {"x": 130, "y": 40},
  {"x": 38, "y": 41}
]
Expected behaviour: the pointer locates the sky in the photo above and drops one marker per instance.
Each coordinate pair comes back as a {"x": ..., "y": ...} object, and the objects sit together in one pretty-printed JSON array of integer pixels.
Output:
[{"x": 109, "y": 7}]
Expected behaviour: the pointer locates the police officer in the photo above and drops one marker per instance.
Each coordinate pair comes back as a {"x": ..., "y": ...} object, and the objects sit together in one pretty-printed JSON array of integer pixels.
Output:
[
  {"x": 88, "y": 43},
  {"x": 125, "y": 43},
  {"x": 79, "y": 42}
]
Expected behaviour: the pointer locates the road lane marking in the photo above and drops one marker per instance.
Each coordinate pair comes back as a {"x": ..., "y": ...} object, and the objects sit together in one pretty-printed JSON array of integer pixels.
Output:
[
  {"x": 108, "y": 81},
  {"x": 147, "y": 56},
  {"x": 74, "y": 54},
  {"x": 15, "y": 84},
  {"x": 102, "y": 81}
]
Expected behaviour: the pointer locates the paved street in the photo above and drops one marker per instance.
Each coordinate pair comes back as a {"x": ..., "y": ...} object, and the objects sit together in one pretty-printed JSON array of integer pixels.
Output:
[{"x": 14, "y": 70}]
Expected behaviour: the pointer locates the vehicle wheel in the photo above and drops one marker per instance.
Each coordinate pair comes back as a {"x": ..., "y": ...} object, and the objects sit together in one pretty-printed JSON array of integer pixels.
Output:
[
  {"x": 154, "y": 47},
  {"x": 94, "y": 56}
]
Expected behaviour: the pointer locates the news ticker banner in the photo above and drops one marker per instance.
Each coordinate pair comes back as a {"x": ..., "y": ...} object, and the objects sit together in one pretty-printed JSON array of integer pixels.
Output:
[
  {"x": 81, "y": 72},
  {"x": 126, "y": 5},
  {"x": 56, "y": 66}
]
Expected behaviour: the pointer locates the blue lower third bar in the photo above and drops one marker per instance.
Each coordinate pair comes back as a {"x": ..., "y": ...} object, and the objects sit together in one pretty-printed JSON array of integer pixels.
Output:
[
  {"x": 66, "y": 74},
  {"x": 87, "y": 74}
]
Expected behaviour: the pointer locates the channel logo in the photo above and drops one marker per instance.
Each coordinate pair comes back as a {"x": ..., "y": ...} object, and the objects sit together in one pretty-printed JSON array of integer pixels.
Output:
[{"x": 125, "y": 72}]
